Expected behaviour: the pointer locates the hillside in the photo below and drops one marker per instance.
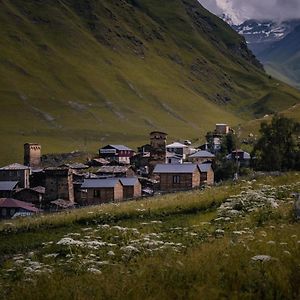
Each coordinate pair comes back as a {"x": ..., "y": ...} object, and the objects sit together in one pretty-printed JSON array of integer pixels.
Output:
[
  {"x": 284, "y": 57},
  {"x": 79, "y": 74},
  {"x": 235, "y": 241}
]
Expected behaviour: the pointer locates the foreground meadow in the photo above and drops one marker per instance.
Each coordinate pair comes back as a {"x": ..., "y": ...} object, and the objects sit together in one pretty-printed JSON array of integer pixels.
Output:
[{"x": 235, "y": 241}]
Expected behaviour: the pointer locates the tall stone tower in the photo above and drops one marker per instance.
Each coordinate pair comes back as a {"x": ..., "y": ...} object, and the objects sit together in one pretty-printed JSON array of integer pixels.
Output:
[
  {"x": 158, "y": 142},
  {"x": 59, "y": 184},
  {"x": 32, "y": 155}
]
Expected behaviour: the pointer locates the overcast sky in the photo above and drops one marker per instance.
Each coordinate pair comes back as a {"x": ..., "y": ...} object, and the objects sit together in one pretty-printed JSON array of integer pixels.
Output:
[{"x": 240, "y": 10}]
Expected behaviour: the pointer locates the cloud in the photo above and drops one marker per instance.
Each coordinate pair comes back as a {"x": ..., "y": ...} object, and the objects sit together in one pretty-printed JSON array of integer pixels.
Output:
[{"x": 240, "y": 10}]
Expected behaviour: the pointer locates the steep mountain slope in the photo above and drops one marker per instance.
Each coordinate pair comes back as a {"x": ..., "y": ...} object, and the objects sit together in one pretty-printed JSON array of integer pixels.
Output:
[
  {"x": 276, "y": 45},
  {"x": 284, "y": 56},
  {"x": 79, "y": 73}
]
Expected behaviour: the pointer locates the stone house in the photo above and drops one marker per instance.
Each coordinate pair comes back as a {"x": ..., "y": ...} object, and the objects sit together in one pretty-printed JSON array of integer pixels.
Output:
[
  {"x": 16, "y": 172},
  {"x": 176, "y": 177},
  {"x": 32, "y": 195},
  {"x": 96, "y": 191},
  {"x": 132, "y": 187},
  {"x": 207, "y": 175}
]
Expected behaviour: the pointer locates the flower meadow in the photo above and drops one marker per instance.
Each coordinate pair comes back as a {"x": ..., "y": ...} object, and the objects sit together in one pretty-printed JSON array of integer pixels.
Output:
[{"x": 234, "y": 241}]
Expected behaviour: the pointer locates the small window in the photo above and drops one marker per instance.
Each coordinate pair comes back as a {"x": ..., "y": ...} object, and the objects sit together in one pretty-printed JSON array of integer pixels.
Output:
[
  {"x": 176, "y": 179},
  {"x": 96, "y": 193},
  {"x": 3, "y": 212}
]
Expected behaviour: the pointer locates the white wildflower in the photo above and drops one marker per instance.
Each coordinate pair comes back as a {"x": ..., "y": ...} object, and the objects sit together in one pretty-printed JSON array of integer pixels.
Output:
[
  {"x": 261, "y": 258},
  {"x": 94, "y": 271},
  {"x": 130, "y": 249},
  {"x": 69, "y": 242}
]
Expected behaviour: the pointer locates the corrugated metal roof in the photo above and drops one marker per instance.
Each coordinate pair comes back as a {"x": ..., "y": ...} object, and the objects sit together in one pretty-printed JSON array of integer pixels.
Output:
[
  {"x": 177, "y": 145},
  {"x": 119, "y": 147},
  {"x": 7, "y": 185},
  {"x": 202, "y": 154},
  {"x": 13, "y": 203},
  {"x": 99, "y": 183},
  {"x": 15, "y": 166},
  {"x": 129, "y": 181},
  {"x": 175, "y": 168},
  {"x": 204, "y": 167}
]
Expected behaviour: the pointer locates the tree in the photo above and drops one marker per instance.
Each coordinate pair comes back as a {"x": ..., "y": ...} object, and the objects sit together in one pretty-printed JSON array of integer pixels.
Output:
[
  {"x": 229, "y": 143},
  {"x": 278, "y": 147}
]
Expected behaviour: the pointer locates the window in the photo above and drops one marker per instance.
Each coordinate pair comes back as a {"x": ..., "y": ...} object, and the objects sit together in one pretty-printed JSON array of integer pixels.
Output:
[
  {"x": 176, "y": 179},
  {"x": 96, "y": 194},
  {"x": 3, "y": 212}
]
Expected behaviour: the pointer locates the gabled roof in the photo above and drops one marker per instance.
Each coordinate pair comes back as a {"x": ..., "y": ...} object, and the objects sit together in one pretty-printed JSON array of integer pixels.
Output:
[
  {"x": 37, "y": 190},
  {"x": 13, "y": 203},
  {"x": 118, "y": 147},
  {"x": 8, "y": 185},
  {"x": 15, "y": 166},
  {"x": 202, "y": 154},
  {"x": 129, "y": 181},
  {"x": 99, "y": 183},
  {"x": 204, "y": 168},
  {"x": 177, "y": 145},
  {"x": 175, "y": 168},
  {"x": 246, "y": 155}
]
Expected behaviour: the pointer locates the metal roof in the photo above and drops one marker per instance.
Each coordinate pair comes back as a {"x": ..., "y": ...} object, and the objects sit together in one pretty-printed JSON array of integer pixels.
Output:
[
  {"x": 7, "y": 185},
  {"x": 204, "y": 168},
  {"x": 13, "y": 203},
  {"x": 119, "y": 147},
  {"x": 175, "y": 168},
  {"x": 177, "y": 145},
  {"x": 203, "y": 154},
  {"x": 129, "y": 181},
  {"x": 99, "y": 183},
  {"x": 15, "y": 166}
]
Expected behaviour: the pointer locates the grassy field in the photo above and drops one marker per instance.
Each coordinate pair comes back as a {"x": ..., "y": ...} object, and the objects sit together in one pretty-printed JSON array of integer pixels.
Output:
[
  {"x": 235, "y": 241},
  {"x": 76, "y": 75}
]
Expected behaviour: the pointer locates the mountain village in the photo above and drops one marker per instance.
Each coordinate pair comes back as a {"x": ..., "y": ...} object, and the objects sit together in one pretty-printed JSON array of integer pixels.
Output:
[{"x": 117, "y": 174}]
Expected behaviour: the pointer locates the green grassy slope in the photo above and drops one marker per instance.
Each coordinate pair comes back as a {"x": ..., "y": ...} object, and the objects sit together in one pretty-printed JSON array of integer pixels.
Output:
[
  {"x": 79, "y": 74},
  {"x": 193, "y": 245}
]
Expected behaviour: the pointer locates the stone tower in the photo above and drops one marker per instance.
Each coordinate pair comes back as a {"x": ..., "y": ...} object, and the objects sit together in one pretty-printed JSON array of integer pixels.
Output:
[
  {"x": 158, "y": 142},
  {"x": 59, "y": 184},
  {"x": 32, "y": 155}
]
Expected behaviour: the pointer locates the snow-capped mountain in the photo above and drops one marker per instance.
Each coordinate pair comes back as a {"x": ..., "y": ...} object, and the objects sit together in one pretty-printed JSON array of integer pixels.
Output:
[
  {"x": 275, "y": 44},
  {"x": 265, "y": 31}
]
